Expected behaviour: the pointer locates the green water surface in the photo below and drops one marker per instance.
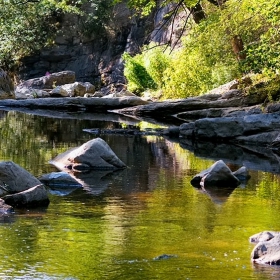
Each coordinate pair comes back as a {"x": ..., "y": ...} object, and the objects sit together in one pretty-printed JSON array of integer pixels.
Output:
[{"x": 148, "y": 222}]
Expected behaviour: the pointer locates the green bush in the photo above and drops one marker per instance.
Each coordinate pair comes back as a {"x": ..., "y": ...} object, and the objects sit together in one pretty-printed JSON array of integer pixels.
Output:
[
  {"x": 207, "y": 58},
  {"x": 138, "y": 78}
]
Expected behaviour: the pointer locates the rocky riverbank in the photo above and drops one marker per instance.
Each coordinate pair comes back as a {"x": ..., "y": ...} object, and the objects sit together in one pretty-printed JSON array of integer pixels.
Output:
[{"x": 228, "y": 115}]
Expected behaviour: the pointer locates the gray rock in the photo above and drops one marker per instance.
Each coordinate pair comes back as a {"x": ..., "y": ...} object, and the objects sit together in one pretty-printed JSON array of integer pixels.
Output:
[
  {"x": 261, "y": 138},
  {"x": 36, "y": 88},
  {"x": 267, "y": 250},
  {"x": 14, "y": 179},
  {"x": 49, "y": 81},
  {"x": 219, "y": 112},
  {"x": 263, "y": 236},
  {"x": 256, "y": 128},
  {"x": 94, "y": 154},
  {"x": 219, "y": 128},
  {"x": 22, "y": 92},
  {"x": 59, "y": 91},
  {"x": 33, "y": 197},
  {"x": 218, "y": 175},
  {"x": 70, "y": 90},
  {"x": 90, "y": 88},
  {"x": 58, "y": 79},
  {"x": 207, "y": 101},
  {"x": 261, "y": 122},
  {"x": 76, "y": 103},
  {"x": 242, "y": 174},
  {"x": 275, "y": 144}
]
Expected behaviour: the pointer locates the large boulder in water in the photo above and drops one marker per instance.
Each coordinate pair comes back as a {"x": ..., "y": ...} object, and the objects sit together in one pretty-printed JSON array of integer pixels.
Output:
[
  {"x": 19, "y": 188},
  {"x": 94, "y": 154},
  {"x": 218, "y": 175},
  {"x": 14, "y": 179},
  {"x": 267, "y": 250}
]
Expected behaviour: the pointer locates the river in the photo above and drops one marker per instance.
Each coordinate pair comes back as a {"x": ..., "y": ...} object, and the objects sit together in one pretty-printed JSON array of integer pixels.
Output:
[{"x": 145, "y": 222}]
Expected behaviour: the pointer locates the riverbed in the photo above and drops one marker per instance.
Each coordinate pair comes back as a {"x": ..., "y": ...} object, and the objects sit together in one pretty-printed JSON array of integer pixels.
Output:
[{"x": 144, "y": 222}]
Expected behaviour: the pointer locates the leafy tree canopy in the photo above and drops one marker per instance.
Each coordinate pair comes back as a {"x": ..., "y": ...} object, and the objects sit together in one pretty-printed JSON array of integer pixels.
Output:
[{"x": 29, "y": 25}]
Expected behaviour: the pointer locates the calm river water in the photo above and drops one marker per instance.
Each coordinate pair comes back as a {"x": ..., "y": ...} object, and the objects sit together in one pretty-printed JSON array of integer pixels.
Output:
[{"x": 145, "y": 222}]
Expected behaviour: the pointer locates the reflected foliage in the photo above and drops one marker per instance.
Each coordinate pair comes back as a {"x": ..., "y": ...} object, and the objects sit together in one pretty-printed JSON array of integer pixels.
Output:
[{"x": 147, "y": 210}]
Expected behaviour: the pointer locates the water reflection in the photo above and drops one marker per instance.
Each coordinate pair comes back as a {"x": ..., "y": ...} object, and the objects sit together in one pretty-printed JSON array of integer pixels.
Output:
[
  {"x": 252, "y": 157},
  {"x": 217, "y": 195},
  {"x": 266, "y": 272},
  {"x": 115, "y": 231}
]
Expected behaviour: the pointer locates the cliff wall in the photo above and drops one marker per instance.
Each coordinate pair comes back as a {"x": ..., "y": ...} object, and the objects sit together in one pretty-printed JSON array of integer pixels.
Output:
[{"x": 95, "y": 55}]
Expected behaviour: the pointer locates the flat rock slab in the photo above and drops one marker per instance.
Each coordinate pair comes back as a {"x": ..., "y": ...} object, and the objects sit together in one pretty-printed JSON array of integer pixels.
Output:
[
  {"x": 207, "y": 101},
  {"x": 94, "y": 104}
]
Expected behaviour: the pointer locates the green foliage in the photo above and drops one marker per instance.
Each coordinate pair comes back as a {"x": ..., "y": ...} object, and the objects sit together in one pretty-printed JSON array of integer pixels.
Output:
[
  {"x": 209, "y": 56},
  {"x": 204, "y": 62},
  {"x": 96, "y": 22},
  {"x": 138, "y": 77},
  {"x": 258, "y": 24},
  {"x": 145, "y": 71},
  {"x": 27, "y": 26},
  {"x": 265, "y": 54}
]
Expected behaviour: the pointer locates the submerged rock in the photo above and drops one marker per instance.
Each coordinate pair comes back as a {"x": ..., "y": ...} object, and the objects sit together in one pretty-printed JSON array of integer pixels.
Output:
[
  {"x": 164, "y": 257},
  {"x": 60, "y": 183}
]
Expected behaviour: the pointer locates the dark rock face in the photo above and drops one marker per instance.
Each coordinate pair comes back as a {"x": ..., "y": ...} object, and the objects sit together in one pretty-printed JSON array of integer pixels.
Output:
[
  {"x": 94, "y": 57},
  {"x": 6, "y": 86}
]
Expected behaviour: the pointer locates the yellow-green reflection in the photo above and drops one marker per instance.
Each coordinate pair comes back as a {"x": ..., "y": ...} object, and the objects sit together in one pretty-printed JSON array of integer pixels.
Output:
[{"x": 147, "y": 210}]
